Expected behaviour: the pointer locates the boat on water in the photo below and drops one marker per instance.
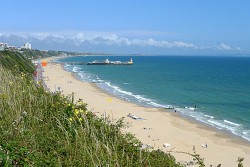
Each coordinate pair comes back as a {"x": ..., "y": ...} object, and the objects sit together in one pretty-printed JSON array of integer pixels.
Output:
[{"x": 107, "y": 62}]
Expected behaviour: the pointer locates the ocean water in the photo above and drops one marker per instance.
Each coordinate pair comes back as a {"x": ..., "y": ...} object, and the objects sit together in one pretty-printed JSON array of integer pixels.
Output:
[{"x": 218, "y": 86}]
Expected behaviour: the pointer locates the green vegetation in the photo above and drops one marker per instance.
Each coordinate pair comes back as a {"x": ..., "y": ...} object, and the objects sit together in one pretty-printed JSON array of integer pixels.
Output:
[
  {"x": 39, "y": 128},
  {"x": 16, "y": 62},
  {"x": 34, "y": 53}
]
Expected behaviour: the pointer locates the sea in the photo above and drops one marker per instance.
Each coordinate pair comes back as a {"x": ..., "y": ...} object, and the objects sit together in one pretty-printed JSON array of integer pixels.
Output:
[{"x": 213, "y": 90}]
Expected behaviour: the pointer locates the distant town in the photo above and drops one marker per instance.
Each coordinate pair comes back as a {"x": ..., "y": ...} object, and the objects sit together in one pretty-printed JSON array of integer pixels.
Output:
[
  {"x": 6, "y": 46},
  {"x": 26, "y": 50},
  {"x": 30, "y": 53}
]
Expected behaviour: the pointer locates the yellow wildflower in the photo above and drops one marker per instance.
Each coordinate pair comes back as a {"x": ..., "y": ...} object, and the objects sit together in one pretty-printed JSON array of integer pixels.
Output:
[
  {"x": 76, "y": 112},
  {"x": 79, "y": 103},
  {"x": 70, "y": 119}
]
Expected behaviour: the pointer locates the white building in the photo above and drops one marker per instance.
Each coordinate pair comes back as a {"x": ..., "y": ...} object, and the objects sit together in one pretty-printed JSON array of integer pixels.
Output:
[
  {"x": 3, "y": 46},
  {"x": 26, "y": 46}
]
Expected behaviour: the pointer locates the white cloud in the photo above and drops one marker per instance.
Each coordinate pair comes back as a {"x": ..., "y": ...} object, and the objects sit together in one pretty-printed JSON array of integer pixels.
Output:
[
  {"x": 186, "y": 45},
  {"x": 116, "y": 40},
  {"x": 113, "y": 39},
  {"x": 224, "y": 46}
]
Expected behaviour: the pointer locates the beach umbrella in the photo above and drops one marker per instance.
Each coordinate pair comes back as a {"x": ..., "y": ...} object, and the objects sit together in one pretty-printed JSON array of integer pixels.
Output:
[{"x": 44, "y": 63}]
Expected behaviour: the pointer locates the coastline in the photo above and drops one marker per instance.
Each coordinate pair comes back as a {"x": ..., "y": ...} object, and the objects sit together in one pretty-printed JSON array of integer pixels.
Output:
[{"x": 159, "y": 127}]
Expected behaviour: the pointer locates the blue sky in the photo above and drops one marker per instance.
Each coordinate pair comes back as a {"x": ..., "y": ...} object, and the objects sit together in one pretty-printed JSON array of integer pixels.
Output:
[{"x": 159, "y": 26}]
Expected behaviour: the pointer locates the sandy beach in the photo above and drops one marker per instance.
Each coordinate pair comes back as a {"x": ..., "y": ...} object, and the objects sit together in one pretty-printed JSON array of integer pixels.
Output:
[{"x": 157, "y": 126}]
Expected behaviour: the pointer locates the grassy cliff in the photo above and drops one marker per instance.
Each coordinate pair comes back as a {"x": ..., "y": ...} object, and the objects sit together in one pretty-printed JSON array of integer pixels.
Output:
[
  {"x": 34, "y": 53},
  {"x": 39, "y": 128},
  {"x": 15, "y": 61}
]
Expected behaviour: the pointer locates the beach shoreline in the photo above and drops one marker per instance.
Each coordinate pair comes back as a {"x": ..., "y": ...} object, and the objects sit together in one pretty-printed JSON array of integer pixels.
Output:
[{"x": 159, "y": 126}]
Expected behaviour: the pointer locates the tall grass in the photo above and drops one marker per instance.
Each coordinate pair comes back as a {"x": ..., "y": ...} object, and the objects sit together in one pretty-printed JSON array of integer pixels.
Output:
[{"x": 39, "y": 128}]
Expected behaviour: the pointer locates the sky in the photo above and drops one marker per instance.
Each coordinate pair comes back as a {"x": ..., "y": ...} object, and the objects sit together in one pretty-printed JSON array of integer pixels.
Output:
[{"x": 130, "y": 26}]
